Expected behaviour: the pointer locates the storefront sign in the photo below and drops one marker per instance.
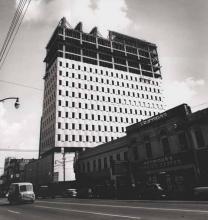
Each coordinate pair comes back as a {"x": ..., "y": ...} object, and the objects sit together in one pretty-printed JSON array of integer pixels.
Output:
[
  {"x": 179, "y": 111},
  {"x": 155, "y": 118},
  {"x": 168, "y": 161}
]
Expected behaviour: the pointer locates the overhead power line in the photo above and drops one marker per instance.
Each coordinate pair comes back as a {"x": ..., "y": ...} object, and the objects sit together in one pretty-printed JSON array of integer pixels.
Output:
[
  {"x": 19, "y": 84},
  {"x": 17, "y": 150},
  {"x": 14, "y": 28}
]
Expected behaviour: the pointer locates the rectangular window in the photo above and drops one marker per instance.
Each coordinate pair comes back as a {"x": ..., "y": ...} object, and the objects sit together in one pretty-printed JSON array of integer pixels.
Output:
[
  {"x": 94, "y": 164},
  {"x": 125, "y": 155},
  {"x": 166, "y": 146},
  {"x": 183, "y": 144},
  {"x": 148, "y": 150},
  {"x": 105, "y": 163},
  {"x": 111, "y": 160},
  {"x": 80, "y": 137},
  {"x": 99, "y": 164},
  {"x": 100, "y": 139},
  {"x": 135, "y": 153},
  {"x": 87, "y": 138}
]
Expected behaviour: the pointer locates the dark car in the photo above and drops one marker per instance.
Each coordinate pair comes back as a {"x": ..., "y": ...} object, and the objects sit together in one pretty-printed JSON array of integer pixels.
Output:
[
  {"x": 71, "y": 193},
  {"x": 200, "y": 193},
  {"x": 84, "y": 193},
  {"x": 153, "y": 191},
  {"x": 44, "y": 192}
]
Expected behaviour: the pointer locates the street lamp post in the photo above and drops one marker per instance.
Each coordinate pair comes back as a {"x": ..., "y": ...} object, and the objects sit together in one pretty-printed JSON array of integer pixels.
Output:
[{"x": 16, "y": 104}]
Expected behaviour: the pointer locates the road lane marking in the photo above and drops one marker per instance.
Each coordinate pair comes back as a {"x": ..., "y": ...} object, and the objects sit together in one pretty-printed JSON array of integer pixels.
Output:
[
  {"x": 13, "y": 211},
  {"x": 86, "y": 212},
  {"x": 131, "y": 207}
]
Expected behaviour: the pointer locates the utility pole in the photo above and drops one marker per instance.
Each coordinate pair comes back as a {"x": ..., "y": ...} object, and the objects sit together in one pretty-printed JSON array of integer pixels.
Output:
[{"x": 63, "y": 162}]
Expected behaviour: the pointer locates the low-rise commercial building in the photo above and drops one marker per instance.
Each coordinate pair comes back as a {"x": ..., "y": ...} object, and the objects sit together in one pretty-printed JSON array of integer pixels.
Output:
[
  {"x": 14, "y": 170},
  {"x": 105, "y": 165},
  {"x": 170, "y": 148}
]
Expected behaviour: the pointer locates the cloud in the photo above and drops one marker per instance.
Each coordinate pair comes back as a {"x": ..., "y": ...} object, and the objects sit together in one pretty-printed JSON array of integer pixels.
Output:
[
  {"x": 178, "y": 92},
  {"x": 16, "y": 135},
  {"x": 106, "y": 14}
]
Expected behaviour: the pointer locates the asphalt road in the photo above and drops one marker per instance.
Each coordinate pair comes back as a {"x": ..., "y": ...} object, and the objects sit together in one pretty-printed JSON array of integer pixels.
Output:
[{"x": 93, "y": 209}]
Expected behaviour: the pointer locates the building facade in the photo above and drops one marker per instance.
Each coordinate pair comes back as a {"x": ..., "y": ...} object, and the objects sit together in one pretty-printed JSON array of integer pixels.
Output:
[
  {"x": 170, "y": 148},
  {"x": 14, "y": 170},
  {"x": 94, "y": 87},
  {"x": 105, "y": 165}
]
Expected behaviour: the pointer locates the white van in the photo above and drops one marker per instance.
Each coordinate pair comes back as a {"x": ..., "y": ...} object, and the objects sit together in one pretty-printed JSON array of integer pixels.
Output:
[{"x": 21, "y": 192}]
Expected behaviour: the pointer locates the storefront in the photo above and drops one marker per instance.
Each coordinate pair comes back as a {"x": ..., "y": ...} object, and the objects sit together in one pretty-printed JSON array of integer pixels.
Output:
[{"x": 176, "y": 173}]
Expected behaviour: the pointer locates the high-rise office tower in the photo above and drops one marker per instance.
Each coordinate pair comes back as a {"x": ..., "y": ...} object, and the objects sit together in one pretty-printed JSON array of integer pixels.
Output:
[{"x": 95, "y": 87}]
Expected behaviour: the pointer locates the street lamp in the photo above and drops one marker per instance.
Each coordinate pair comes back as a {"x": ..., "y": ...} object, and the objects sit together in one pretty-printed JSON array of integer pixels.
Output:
[{"x": 16, "y": 104}]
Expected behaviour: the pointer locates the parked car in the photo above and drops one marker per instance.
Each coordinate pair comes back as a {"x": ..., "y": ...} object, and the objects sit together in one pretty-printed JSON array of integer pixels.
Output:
[
  {"x": 84, "y": 193},
  {"x": 200, "y": 192},
  {"x": 71, "y": 193},
  {"x": 152, "y": 191},
  {"x": 44, "y": 191},
  {"x": 21, "y": 192}
]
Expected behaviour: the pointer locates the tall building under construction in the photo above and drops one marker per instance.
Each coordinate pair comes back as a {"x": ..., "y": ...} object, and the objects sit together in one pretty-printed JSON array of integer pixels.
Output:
[{"x": 94, "y": 87}]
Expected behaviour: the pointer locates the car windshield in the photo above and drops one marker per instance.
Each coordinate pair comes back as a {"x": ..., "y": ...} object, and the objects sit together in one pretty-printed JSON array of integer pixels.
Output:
[{"x": 24, "y": 188}]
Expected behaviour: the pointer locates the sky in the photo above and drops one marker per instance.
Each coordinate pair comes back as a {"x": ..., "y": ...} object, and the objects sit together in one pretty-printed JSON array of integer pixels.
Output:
[{"x": 179, "y": 28}]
